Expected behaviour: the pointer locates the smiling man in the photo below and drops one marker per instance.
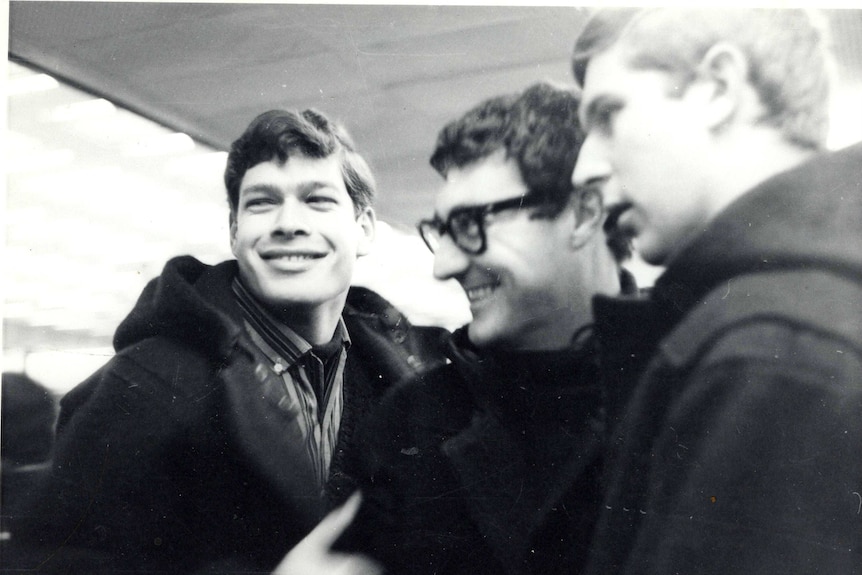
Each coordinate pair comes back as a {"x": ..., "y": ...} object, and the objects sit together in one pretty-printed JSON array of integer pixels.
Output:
[
  {"x": 215, "y": 439},
  {"x": 739, "y": 451},
  {"x": 490, "y": 464}
]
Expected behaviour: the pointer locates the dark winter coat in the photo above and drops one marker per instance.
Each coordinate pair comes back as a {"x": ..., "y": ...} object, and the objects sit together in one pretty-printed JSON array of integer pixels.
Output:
[
  {"x": 174, "y": 458},
  {"x": 740, "y": 450},
  {"x": 487, "y": 465}
]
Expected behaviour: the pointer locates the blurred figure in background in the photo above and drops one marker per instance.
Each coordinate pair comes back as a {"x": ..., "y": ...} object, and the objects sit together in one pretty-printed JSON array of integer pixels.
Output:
[
  {"x": 491, "y": 464},
  {"x": 216, "y": 437},
  {"x": 739, "y": 451},
  {"x": 29, "y": 412}
]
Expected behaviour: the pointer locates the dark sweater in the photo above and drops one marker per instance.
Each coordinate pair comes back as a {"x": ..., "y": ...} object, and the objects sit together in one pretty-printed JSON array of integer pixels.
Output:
[{"x": 487, "y": 465}]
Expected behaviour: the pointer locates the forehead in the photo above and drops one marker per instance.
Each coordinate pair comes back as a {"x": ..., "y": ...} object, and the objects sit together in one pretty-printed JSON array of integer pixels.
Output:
[
  {"x": 299, "y": 171},
  {"x": 605, "y": 69},
  {"x": 489, "y": 179},
  {"x": 611, "y": 76}
]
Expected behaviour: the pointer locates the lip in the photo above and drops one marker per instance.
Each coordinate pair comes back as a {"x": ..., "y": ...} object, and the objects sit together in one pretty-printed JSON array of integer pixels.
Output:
[
  {"x": 290, "y": 260},
  {"x": 291, "y": 254},
  {"x": 615, "y": 212},
  {"x": 619, "y": 220}
]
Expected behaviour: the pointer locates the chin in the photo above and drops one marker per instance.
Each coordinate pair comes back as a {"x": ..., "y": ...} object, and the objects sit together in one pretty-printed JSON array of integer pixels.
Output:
[
  {"x": 282, "y": 299},
  {"x": 483, "y": 336}
]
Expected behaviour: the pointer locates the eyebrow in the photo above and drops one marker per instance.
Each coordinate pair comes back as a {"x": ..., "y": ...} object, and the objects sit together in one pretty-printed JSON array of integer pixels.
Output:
[
  {"x": 258, "y": 188},
  {"x": 302, "y": 188}
]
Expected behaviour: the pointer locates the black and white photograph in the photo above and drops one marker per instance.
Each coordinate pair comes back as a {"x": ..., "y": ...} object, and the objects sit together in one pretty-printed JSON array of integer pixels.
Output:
[{"x": 431, "y": 289}]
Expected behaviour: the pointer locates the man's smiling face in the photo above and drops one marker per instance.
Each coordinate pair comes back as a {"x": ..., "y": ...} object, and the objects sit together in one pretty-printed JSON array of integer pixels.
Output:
[
  {"x": 516, "y": 287},
  {"x": 295, "y": 233}
]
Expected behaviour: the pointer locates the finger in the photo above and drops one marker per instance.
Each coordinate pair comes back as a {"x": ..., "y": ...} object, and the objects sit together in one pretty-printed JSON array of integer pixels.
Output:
[
  {"x": 335, "y": 523},
  {"x": 356, "y": 565}
]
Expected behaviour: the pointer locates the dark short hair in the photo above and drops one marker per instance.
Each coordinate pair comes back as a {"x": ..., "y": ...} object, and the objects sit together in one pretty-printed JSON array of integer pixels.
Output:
[
  {"x": 790, "y": 64},
  {"x": 538, "y": 128},
  {"x": 277, "y": 134}
]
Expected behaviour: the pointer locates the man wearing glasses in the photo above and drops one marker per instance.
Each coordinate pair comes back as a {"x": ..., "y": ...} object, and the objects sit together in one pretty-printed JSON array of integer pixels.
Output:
[{"x": 490, "y": 464}]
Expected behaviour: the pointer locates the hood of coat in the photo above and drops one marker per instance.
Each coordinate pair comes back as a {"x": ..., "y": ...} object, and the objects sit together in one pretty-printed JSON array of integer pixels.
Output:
[
  {"x": 805, "y": 218},
  {"x": 190, "y": 302}
]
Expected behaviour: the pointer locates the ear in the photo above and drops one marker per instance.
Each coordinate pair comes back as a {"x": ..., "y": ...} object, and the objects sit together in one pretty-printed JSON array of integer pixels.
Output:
[
  {"x": 367, "y": 222},
  {"x": 723, "y": 81},
  {"x": 232, "y": 223},
  {"x": 588, "y": 206}
]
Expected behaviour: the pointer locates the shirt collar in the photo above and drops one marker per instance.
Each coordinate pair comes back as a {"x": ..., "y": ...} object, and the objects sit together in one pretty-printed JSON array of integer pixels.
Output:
[{"x": 277, "y": 334}]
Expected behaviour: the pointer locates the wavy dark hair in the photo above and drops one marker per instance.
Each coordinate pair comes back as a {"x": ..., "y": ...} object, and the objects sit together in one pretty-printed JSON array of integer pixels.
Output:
[
  {"x": 538, "y": 128},
  {"x": 277, "y": 134}
]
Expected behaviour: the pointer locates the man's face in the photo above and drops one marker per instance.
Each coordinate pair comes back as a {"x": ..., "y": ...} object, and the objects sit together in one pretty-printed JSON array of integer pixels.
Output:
[
  {"x": 515, "y": 287},
  {"x": 295, "y": 235},
  {"x": 646, "y": 146}
]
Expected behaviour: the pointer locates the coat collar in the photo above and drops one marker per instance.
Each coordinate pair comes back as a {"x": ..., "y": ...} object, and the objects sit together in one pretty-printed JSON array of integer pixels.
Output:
[{"x": 805, "y": 217}]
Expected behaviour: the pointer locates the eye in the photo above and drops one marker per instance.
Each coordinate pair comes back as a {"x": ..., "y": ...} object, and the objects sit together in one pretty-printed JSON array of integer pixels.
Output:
[
  {"x": 322, "y": 200},
  {"x": 604, "y": 116},
  {"x": 465, "y": 223},
  {"x": 258, "y": 203}
]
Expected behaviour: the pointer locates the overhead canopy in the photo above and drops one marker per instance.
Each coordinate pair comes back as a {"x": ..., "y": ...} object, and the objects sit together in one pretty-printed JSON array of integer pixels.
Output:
[{"x": 394, "y": 75}]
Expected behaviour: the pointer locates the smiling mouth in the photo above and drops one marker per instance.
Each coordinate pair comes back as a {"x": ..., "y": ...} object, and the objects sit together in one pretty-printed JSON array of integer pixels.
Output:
[
  {"x": 480, "y": 293},
  {"x": 291, "y": 256}
]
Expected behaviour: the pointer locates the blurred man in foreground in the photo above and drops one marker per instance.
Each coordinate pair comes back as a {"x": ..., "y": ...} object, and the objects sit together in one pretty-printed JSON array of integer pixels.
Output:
[{"x": 739, "y": 451}]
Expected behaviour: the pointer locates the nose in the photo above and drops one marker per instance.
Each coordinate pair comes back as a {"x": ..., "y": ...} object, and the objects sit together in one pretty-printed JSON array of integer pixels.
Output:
[
  {"x": 291, "y": 219},
  {"x": 449, "y": 260},
  {"x": 594, "y": 170}
]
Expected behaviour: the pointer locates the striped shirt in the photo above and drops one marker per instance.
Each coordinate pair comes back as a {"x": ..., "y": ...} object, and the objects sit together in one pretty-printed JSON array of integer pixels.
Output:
[{"x": 306, "y": 386}]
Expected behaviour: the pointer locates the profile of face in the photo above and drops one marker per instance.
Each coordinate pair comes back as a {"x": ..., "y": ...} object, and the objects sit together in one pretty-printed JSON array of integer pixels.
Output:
[
  {"x": 646, "y": 146},
  {"x": 295, "y": 233},
  {"x": 518, "y": 286}
]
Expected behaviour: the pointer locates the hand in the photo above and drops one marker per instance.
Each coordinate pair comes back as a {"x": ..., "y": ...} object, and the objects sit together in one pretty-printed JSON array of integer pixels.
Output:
[{"x": 314, "y": 556}]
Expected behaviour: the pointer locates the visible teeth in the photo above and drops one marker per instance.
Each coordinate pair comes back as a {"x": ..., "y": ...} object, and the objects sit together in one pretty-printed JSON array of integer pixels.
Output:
[
  {"x": 479, "y": 293},
  {"x": 295, "y": 258}
]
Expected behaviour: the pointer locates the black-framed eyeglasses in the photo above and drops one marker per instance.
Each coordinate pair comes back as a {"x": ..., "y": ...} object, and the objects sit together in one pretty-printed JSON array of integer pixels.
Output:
[{"x": 466, "y": 225}]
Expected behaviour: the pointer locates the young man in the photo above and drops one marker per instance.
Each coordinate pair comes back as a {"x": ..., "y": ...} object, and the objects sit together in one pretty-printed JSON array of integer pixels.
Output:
[
  {"x": 739, "y": 450},
  {"x": 214, "y": 438},
  {"x": 490, "y": 464}
]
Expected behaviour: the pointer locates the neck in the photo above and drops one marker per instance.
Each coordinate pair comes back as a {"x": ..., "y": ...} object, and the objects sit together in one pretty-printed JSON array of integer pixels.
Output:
[
  {"x": 738, "y": 169},
  {"x": 553, "y": 332},
  {"x": 592, "y": 271},
  {"x": 315, "y": 324}
]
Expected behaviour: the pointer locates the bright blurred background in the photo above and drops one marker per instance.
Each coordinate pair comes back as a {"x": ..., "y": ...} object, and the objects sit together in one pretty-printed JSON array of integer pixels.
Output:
[{"x": 98, "y": 197}]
